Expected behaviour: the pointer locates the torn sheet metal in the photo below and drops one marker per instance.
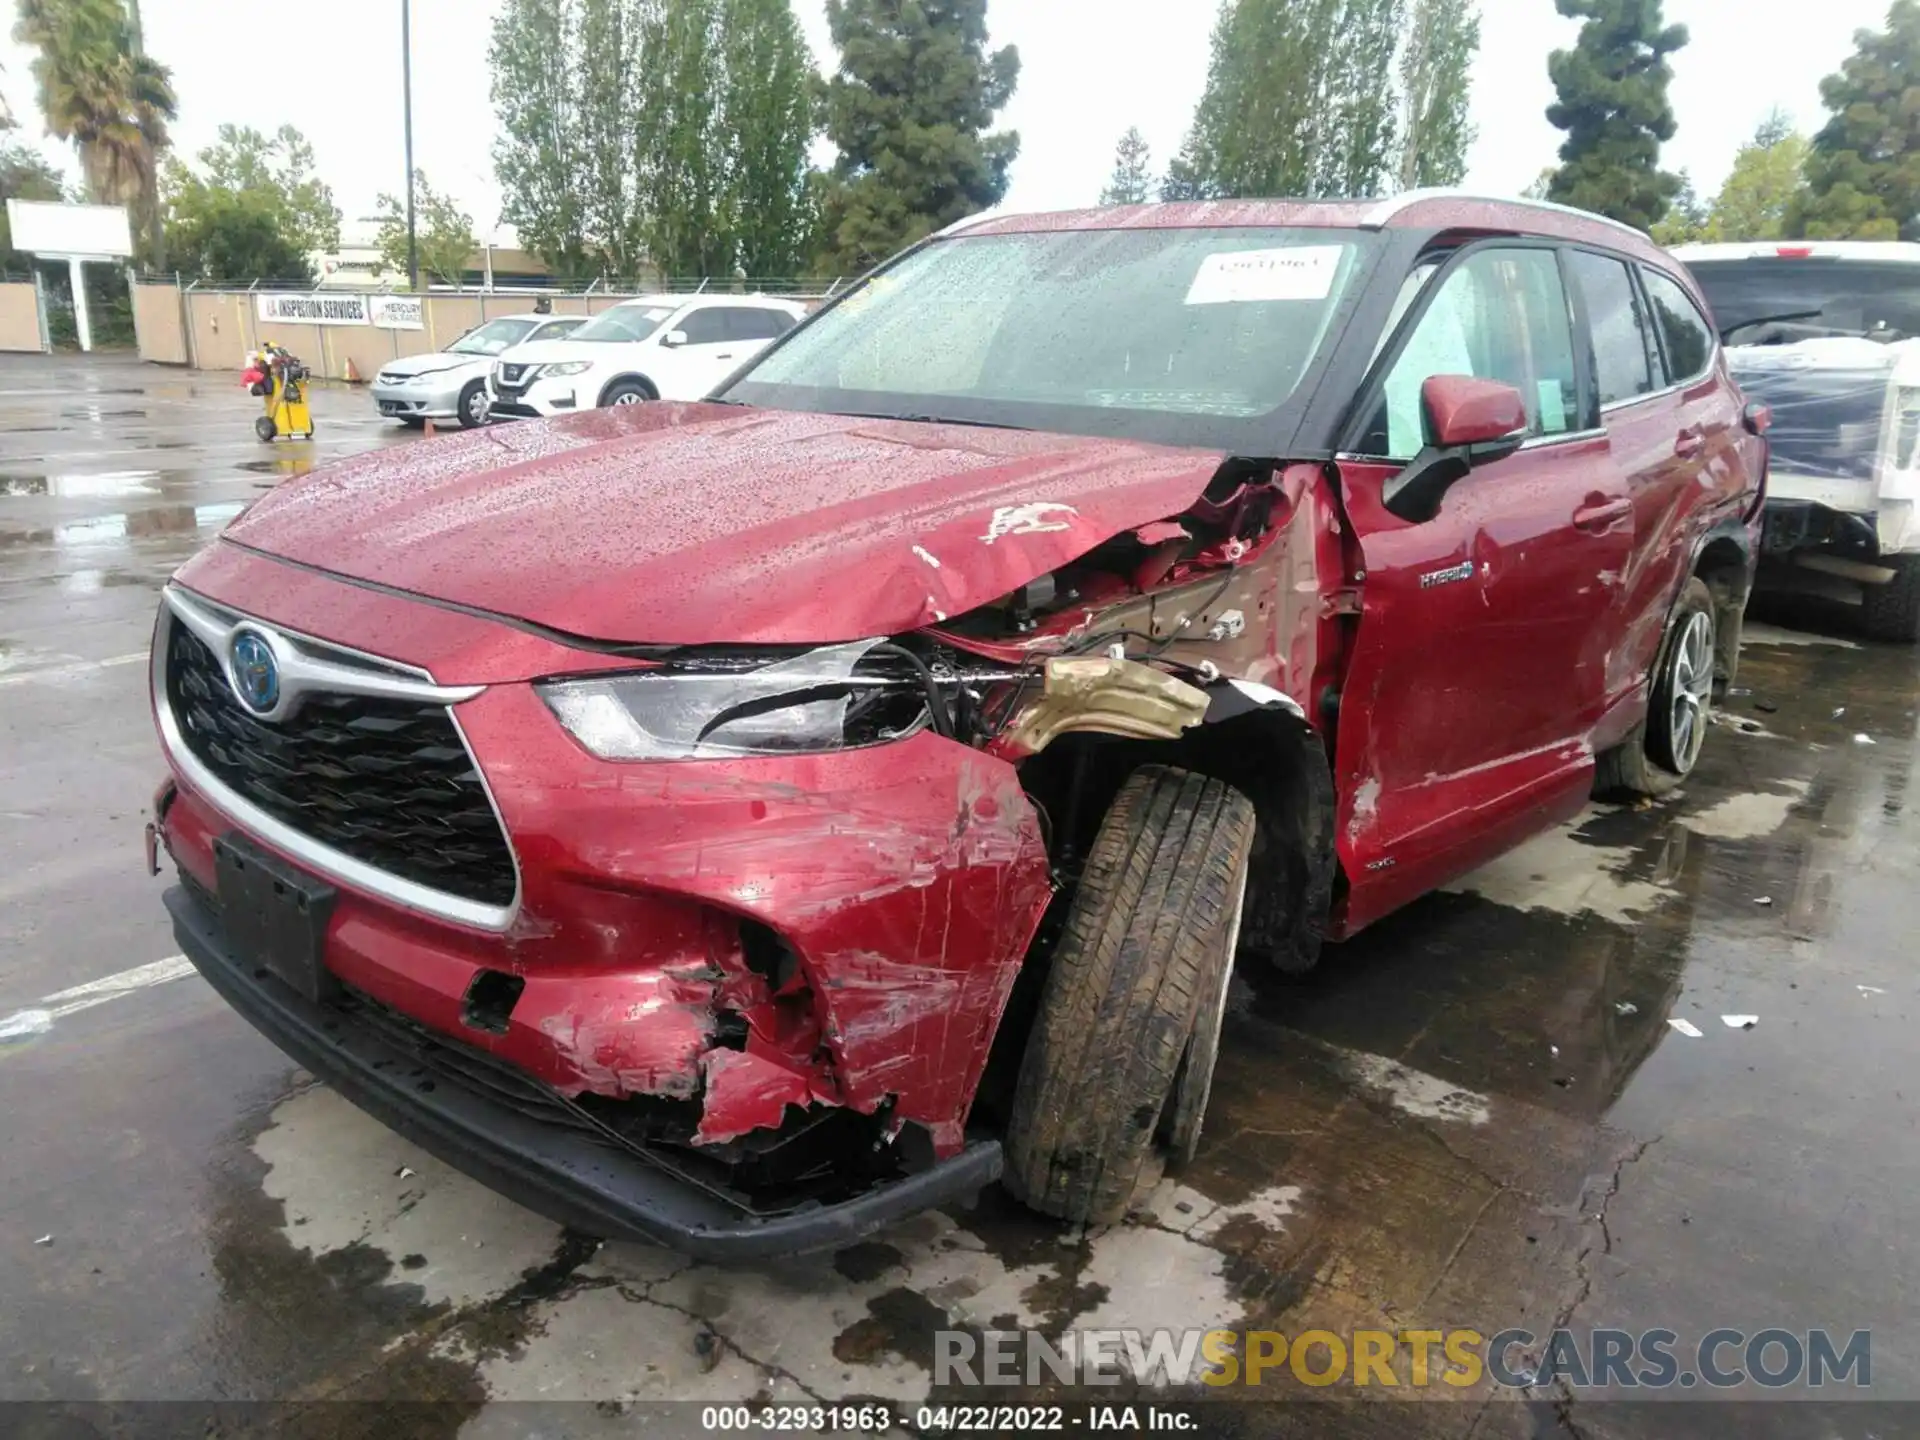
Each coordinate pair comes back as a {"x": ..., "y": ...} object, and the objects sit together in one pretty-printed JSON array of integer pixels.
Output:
[
  {"x": 1107, "y": 696},
  {"x": 745, "y": 1092}
]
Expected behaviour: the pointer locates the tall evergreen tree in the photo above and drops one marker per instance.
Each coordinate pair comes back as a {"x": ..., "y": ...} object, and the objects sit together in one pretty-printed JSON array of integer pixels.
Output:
[
  {"x": 908, "y": 110},
  {"x": 1132, "y": 179},
  {"x": 767, "y": 123},
  {"x": 1613, "y": 105},
  {"x": 1863, "y": 176},
  {"x": 1295, "y": 102},
  {"x": 541, "y": 153},
  {"x": 1442, "y": 39}
]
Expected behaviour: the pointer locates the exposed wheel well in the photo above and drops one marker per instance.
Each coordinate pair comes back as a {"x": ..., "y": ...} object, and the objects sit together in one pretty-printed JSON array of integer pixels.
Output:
[
  {"x": 653, "y": 391},
  {"x": 1272, "y": 757},
  {"x": 1723, "y": 566}
]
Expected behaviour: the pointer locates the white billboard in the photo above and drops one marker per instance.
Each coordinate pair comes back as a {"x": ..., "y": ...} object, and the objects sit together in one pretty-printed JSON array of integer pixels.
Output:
[
  {"x": 303, "y": 308},
  {"x": 59, "y": 231},
  {"x": 337, "y": 307}
]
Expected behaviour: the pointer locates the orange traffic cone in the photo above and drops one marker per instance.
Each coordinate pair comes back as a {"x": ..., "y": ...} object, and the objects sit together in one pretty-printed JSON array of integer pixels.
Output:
[
  {"x": 428, "y": 429},
  {"x": 352, "y": 377}
]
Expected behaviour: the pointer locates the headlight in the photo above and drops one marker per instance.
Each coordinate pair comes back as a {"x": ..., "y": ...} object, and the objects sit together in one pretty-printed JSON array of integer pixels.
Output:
[
  {"x": 838, "y": 697},
  {"x": 566, "y": 367}
]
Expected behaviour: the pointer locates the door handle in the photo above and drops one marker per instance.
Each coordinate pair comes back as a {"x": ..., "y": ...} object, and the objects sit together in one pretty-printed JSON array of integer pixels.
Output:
[
  {"x": 1598, "y": 514},
  {"x": 1690, "y": 443}
]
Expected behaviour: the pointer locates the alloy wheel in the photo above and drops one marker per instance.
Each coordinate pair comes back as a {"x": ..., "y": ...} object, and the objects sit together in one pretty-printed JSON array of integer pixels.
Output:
[{"x": 1692, "y": 691}]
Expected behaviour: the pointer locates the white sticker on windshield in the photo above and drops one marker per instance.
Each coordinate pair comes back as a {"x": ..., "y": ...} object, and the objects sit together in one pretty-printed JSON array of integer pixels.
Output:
[{"x": 1299, "y": 272}]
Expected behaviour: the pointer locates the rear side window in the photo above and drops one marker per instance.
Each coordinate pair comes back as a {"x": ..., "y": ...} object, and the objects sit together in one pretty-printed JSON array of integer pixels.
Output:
[
  {"x": 1622, "y": 365},
  {"x": 756, "y": 324},
  {"x": 1500, "y": 315},
  {"x": 1685, "y": 335}
]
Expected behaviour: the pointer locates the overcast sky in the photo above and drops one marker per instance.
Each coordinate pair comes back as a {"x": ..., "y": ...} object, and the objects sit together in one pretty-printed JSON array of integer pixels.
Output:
[{"x": 1089, "y": 68}]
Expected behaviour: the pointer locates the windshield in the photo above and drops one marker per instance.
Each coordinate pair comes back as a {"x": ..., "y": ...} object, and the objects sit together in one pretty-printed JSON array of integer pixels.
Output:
[
  {"x": 492, "y": 337},
  {"x": 1779, "y": 300},
  {"x": 624, "y": 322},
  {"x": 1158, "y": 334}
]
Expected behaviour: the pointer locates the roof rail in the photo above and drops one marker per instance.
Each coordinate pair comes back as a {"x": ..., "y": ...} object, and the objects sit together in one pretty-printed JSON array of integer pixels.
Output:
[{"x": 1387, "y": 209}]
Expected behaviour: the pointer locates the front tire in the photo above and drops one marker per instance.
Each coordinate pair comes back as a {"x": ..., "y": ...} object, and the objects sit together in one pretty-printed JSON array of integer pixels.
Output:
[
  {"x": 1664, "y": 748},
  {"x": 473, "y": 404},
  {"x": 626, "y": 392},
  {"x": 263, "y": 426},
  {"x": 1148, "y": 942},
  {"x": 1892, "y": 611}
]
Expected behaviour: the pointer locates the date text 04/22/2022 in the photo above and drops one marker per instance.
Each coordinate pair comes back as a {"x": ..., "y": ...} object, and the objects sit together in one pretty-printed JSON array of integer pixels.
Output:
[{"x": 943, "y": 1419}]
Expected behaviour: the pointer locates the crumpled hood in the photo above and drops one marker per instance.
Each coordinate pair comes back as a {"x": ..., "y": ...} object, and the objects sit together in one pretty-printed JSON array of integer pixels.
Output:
[
  {"x": 700, "y": 524},
  {"x": 427, "y": 364}
]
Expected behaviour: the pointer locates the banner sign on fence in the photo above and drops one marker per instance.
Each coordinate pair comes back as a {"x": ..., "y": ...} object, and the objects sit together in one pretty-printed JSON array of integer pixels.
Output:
[
  {"x": 399, "y": 312},
  {"x": 296, "y": 309}
]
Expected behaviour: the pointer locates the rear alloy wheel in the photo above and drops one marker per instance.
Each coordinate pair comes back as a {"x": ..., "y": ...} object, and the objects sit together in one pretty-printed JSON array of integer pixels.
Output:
[
  {"x": 1892, "y": 611},
  {"x": 473, "y": 404},
  {"x": 1122, "y": 1051},
  {"x": 1664, "y": 748}
]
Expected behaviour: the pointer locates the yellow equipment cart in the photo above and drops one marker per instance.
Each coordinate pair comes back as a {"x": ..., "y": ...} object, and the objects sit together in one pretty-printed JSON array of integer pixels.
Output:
[{"x": 278, "y": 377}]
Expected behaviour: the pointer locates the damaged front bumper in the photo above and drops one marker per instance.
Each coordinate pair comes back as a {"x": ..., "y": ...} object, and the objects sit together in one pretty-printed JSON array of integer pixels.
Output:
[{"x": 488, "y": 1121}]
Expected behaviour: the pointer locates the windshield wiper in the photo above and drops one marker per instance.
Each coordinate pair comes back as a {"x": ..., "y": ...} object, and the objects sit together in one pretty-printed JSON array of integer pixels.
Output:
[{"x": 915, "y": 419}]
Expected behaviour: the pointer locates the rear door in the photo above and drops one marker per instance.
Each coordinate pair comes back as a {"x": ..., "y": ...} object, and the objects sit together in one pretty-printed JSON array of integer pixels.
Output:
[
  {"x": 1478, "y": 668},
  {"x": 1641, "y": 414}
]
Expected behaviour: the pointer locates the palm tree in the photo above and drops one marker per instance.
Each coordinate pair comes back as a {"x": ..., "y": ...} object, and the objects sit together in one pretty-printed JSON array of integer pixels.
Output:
[{"x": 99, "y": 90}]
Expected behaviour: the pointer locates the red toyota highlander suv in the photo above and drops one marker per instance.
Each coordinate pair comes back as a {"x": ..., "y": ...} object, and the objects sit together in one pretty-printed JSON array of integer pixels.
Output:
[{"x": 738, "y": 824}]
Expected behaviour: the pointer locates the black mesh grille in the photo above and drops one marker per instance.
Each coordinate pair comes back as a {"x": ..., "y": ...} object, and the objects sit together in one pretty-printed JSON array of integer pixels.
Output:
[{"x": 386, "y": 781}]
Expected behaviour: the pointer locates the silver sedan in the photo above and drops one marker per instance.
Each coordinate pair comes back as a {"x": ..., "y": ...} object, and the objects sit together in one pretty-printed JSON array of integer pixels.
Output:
[{"x": 451, "y": 384}]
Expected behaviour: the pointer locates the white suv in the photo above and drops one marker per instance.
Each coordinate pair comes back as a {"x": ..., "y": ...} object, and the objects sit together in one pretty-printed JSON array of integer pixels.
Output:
[
  {"x": 655, "y": 347},
  {"x": 1827, "y": 334}
]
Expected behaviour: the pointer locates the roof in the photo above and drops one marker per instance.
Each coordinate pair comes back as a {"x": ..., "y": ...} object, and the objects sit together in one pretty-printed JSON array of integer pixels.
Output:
[
  {"x": 1898, "y": 251},
  {"x": 1412, "y": 210},
  {"x": 771, "y": 302}
]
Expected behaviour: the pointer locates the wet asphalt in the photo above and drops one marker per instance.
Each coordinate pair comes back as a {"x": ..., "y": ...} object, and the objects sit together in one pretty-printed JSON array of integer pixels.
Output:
[{"x": 1477, "y": 1114}]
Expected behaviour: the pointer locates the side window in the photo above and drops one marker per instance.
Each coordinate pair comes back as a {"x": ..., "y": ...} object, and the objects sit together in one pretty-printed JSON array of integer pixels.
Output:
[
  {"x": 1500, "y": 315},
  {"x": 705, "y": 327},
  {"x": 1621, "y": 336},
  {"x": 758, "y": 324},
  {"x": 1684, "y": 332}
]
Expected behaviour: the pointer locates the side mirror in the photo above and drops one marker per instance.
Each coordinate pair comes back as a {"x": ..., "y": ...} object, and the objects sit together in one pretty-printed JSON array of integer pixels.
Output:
[
  {"x": 674, "y": 339},
  {"x": 1463, "y": 413},
  {"x": 1468, "y": 422}
]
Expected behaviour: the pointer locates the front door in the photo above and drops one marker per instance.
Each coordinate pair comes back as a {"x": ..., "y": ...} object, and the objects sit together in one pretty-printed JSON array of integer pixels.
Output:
[
  {"x": 1480, "y": 663},
  {"x": 710, "y": 354}
]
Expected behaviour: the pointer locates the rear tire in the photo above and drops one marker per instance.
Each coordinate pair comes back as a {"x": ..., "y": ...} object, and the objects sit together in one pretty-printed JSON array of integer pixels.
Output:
[
  {"x": 1148, "y": 941},
  {"x": 263, "y": 427},
  {"x": 1892, "y": 611},
  {"x": 1664, "y": 748}
]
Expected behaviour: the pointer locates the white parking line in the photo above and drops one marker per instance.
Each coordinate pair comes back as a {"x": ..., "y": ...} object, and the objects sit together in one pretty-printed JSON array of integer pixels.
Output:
[
  {"x": 62, "y": 1003},
  {"x": 71, "y": 670}
]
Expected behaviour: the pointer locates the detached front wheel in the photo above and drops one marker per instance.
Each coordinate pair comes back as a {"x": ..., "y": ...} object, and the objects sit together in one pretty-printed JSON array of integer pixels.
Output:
[
  {"x": 1122, "y": 1052},
  {"x": 1664, "y": 748}
]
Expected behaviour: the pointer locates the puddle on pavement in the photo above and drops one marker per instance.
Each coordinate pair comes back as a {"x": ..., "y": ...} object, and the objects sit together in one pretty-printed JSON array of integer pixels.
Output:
[
  {"x": 155, "y": 522},
  {"x": 76, "y": 486},
  {"x": 288, "y": 468}
]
